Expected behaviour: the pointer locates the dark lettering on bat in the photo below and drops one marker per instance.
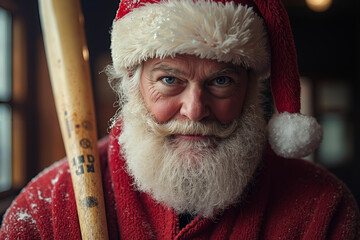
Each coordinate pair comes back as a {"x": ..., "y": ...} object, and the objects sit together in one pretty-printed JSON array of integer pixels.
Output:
[
  {"x": 80, "y": 170},
  {"x": 90, "y": 168},
  {"x": 82, "y": 162}
]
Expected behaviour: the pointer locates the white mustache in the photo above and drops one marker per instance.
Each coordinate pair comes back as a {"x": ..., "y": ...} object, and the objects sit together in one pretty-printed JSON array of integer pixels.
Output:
[{"x": 186, "y": 127}]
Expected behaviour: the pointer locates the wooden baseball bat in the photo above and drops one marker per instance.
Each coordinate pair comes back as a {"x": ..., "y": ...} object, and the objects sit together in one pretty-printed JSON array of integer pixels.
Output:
[{"x": 67, "y": 57}]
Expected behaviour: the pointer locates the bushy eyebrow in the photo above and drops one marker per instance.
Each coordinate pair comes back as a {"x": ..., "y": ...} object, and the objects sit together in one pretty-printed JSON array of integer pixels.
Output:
[
  {"x": 169, "y": 70},
  {"x": 176, "y": 72},
  {"x": 224, "y": 71}
]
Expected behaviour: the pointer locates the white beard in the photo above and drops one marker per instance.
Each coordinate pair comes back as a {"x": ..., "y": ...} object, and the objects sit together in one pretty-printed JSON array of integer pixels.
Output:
[{"x": 196, "y": 177}]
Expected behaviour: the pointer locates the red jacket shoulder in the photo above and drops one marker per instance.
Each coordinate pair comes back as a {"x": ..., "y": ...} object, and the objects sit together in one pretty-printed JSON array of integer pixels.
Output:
[
  {"x": 47, "y": 201},
  {"x": 307, "y": 198},
  {"x": 32, "y": 207}
]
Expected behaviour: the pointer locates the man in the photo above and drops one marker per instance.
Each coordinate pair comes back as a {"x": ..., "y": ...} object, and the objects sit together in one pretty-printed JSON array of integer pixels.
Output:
[{"x": 187, "y": 157}]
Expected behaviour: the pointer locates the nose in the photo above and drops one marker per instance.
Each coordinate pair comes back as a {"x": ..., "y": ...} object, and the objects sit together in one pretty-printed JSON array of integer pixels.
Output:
[{"x": 194, "y": 106}]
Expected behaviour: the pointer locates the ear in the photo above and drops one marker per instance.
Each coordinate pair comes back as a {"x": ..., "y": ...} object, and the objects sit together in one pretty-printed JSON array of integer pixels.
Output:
[
  {"x": 134, "y": 79},
  {"x": 130, "y": 73}
]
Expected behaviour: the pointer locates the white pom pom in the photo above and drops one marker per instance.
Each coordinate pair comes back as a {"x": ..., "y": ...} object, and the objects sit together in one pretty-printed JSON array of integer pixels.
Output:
[{"x": 293, "y": 135}]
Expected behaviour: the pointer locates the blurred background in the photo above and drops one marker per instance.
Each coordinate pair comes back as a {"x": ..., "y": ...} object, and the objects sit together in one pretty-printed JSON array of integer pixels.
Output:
[{"x": 327, "y": 36}]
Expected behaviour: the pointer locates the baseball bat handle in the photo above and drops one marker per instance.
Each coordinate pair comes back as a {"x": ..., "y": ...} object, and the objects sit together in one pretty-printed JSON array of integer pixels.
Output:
[{"x": 67, "y": 58}]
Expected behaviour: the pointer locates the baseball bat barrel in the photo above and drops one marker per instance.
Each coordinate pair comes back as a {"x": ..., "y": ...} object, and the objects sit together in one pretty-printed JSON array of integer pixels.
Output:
[{"x": 67, "y": 57}]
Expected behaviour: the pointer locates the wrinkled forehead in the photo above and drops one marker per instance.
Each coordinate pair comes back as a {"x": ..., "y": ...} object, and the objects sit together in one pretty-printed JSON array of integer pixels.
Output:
[{"x": 190, "y": 63}]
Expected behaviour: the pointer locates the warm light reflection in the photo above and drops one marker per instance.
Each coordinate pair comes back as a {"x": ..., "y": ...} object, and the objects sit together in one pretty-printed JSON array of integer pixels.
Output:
[
  {"x": 85, "y": 52},
  {"x": 319, "y": 5}
]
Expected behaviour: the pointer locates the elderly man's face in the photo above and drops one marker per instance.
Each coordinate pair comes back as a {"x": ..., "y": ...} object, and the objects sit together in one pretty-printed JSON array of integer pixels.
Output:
[
  {"x": 187, "y": 136},
  {"x": 187, "y": 87}
]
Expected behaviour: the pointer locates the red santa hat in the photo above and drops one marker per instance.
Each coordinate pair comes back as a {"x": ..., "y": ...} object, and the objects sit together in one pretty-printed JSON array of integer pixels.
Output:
[{"x": 253, "y": 33}]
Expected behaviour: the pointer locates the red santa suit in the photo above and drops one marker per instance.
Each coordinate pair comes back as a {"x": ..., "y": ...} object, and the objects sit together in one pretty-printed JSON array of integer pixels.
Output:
[{"x": 288, "y": 199}]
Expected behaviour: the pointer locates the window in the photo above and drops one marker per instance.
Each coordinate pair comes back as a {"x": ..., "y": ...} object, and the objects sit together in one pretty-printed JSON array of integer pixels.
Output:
[
  {"x": 334, "y": 107},
  {"x": 5, "y": 100},
  {"x": 14, "y": 102}
]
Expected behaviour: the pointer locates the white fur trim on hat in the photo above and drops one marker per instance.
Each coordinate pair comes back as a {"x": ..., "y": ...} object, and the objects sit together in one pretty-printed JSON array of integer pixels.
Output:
[
  {"x": 223, "y": 32},
  {"x": 293, "y": 135}
]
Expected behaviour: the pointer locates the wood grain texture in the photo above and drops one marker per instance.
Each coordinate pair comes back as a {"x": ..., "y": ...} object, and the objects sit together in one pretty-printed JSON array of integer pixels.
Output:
[{"x": 67, "y": 57}]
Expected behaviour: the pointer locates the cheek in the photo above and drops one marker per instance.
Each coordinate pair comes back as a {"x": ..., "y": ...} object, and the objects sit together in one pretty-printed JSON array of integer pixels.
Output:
[
  {"x": 226, "y": 113},
  {"x": 161, "y": 108},
  {"x": 164, "y": 110},
  {"x": 227, "y": 110}
]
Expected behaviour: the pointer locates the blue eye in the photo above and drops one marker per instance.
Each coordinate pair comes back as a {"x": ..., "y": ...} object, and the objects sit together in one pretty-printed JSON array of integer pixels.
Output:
[
  {"x": 222, "y": 81},
  {"x": 168, "y": 80}
]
